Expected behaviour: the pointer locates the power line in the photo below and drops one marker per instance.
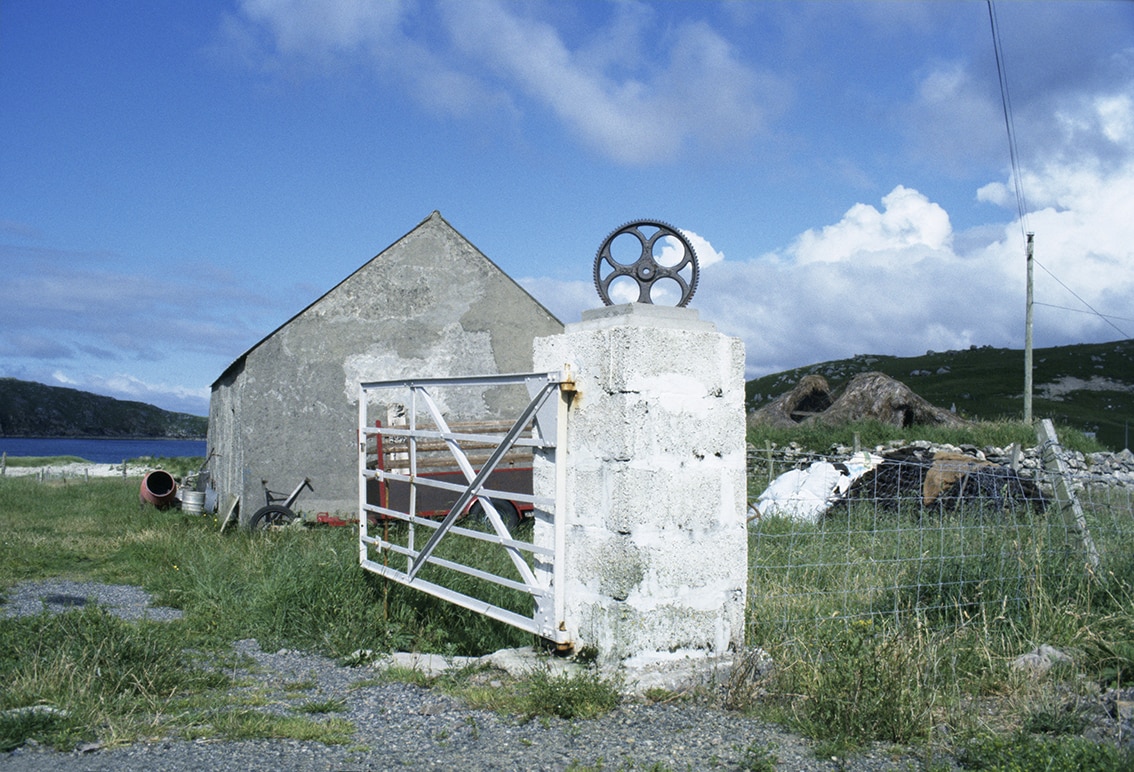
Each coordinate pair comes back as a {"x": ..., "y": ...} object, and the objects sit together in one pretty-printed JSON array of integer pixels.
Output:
[
  {"x": 1104, "y": 317},
  {"x": 1009, "y": 124},
  {"x": 1081, "y": 311}
]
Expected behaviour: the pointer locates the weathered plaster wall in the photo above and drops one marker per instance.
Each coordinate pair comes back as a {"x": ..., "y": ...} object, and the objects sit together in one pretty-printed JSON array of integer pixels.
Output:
[{"x": 430, "y": 305}]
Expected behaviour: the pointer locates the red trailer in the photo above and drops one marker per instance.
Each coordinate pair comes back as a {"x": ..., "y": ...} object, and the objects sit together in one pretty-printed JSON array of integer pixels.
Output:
[{"x": 441, "y": 481}]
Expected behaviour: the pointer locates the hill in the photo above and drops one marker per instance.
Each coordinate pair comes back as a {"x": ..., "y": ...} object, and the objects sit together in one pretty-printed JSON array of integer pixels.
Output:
[
  {"x": 29, "y": 409},
  {"x": 1085, "y": 386}
]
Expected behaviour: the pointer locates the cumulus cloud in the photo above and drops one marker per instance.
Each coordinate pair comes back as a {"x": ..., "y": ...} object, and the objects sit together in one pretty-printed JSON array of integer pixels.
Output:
[
  {"x": 706, "y": 254},
  {"x": 880, "y": 280},
  {"x": 908, "y": 221}
]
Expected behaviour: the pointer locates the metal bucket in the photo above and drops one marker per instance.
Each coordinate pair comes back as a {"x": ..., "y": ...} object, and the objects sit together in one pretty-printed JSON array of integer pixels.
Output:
[
  {"x": 158, "y": 488},
  {"x": 193, "y": 502}
]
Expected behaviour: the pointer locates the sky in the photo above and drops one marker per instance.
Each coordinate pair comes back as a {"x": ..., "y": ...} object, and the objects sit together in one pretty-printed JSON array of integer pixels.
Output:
[{"x": 178, "y": 179}]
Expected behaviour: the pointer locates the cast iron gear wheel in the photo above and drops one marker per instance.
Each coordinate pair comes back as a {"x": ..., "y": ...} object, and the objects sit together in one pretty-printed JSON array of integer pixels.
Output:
[{"x": 646, "y": 270}]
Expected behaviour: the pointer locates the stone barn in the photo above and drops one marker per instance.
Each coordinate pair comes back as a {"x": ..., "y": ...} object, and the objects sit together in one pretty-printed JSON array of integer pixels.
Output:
[{"x": 431, "y": 304}]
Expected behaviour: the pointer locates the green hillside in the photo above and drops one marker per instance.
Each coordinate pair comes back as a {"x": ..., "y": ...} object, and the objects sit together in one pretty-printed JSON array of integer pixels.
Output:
[
  {"x": 29, "y": 409},
  {"x": 1086, "y": 386}
]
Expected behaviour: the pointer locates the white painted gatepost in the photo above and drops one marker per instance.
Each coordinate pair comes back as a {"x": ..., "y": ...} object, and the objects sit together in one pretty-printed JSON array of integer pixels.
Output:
[{"x": 650, "y": 487}]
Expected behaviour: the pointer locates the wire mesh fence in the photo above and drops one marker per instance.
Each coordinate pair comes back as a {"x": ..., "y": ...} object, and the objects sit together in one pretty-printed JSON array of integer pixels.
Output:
[{"x": 927, "y": 535}]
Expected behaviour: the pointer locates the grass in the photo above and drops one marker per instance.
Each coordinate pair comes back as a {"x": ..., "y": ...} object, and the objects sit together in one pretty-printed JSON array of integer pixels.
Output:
[
  {"x": 300, "y": 590},
  {"x": 541, "y": 693},
  {"x": 909, "y": 626},
  {"x": 890, "y": 626},
  {"x": 30, "y": 461},
  {"x": 67, "y": 674}
]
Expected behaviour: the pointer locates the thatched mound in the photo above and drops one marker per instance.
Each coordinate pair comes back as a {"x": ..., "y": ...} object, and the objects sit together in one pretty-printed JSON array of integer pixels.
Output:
[
  {"x": 869, "y": 396},
  {"x": 877, "y": 396},
  {"x": 810, "y": 397}
]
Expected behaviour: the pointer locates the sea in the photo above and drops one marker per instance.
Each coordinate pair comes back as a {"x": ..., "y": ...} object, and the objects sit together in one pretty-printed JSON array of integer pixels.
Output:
[{"x": 101, "y": 451}]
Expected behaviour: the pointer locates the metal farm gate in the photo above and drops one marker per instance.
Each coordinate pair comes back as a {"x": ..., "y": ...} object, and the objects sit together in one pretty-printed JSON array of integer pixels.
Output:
[{"x": 449, "y": 507}]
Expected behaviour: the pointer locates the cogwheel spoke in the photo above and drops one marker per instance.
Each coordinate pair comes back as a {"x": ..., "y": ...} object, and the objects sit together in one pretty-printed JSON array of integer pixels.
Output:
[{"x": 637, "y": 260}]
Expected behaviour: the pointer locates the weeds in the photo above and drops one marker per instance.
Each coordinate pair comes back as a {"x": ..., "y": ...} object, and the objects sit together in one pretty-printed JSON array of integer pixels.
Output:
[
  {"x": 330, "y": 705},
  {"x": 759, "y": 758},
  {"x": 861, "y": 684},
  {"x": 247, "y": 724},
  {"x": 1025, "y": 753},
  {"x": 586, "y": 694}
]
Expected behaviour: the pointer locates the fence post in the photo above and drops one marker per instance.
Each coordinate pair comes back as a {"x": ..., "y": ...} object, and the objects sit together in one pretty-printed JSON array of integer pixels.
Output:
[{"x": 1065, "y": 499}]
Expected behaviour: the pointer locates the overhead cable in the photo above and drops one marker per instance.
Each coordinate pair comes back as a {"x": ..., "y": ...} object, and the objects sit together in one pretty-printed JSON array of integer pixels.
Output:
[{"x": 1009, "y": 124}]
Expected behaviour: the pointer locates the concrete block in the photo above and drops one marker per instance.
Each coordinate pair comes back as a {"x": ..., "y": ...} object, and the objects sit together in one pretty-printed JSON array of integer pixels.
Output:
[{"x": 654, "y": 507}]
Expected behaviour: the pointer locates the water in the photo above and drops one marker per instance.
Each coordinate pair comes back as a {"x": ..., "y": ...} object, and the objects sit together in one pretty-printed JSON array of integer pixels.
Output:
[{"x": 101, "y": 451}]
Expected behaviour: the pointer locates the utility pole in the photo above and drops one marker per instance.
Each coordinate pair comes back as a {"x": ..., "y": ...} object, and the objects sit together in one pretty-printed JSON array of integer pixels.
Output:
[{"x": 1028, "y": 339}]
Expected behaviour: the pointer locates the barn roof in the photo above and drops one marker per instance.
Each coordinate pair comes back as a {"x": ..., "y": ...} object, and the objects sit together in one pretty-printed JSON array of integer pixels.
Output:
[{"x": 434, "y": 220}]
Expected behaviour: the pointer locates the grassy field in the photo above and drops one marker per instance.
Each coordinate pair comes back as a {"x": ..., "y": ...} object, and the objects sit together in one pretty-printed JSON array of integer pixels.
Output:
[{"x": 878, "y": 679}]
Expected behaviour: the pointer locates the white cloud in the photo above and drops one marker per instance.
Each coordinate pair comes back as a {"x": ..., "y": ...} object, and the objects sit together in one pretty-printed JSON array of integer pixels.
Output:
[
  {"x": 908, "y": 220},
  {"x": 706, "y": 255},
  {"x": 308, "y": 27},
  {"x": 955, "y": 120},
  {"x": 566, "y": 299},
  {"x": 637, "y": 112},
  {"x": 661, "y": 91}
]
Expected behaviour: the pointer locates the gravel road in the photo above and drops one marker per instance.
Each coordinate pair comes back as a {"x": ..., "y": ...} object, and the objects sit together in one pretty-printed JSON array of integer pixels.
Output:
[{"x": 403, "y": 726}]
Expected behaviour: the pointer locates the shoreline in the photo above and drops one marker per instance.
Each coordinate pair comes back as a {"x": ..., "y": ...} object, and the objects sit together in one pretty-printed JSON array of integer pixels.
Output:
[{"x": 77, "y": 469}]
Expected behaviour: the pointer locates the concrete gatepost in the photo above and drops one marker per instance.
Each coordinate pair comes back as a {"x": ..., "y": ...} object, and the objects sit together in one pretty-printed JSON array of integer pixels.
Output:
[{"x": 652, "y": 505}]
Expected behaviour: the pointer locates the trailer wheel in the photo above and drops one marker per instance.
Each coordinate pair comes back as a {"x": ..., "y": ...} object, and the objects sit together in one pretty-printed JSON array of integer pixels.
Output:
[
  {"x": 273, "y": 515},
  {"x": 508, "y": 513}
]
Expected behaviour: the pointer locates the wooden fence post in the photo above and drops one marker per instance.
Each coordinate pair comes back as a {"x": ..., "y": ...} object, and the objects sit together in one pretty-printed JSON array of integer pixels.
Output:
[{"x": 1065, "y": 499}]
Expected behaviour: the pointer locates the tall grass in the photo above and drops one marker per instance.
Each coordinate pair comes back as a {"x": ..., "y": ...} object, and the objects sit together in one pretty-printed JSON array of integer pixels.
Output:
[
  {"x": 67, "y": 676},
  {"x": 300, "y": 589},
  {"x": 892, "y": 625}
]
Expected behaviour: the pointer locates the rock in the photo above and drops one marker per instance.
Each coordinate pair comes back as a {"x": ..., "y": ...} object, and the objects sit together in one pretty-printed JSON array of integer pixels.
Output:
[{"x": 1039, "y": 660}]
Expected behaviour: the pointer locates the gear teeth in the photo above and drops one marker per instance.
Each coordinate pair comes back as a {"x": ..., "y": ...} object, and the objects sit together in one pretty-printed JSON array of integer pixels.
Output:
[{"x": 661, "y": 225}]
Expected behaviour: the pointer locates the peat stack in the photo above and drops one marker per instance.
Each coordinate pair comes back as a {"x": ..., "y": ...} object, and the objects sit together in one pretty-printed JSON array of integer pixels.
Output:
[
  {"x": 870, "y": 396},
  {"x": 810, "y": 397},
  {"x": 878, "y": 397}
]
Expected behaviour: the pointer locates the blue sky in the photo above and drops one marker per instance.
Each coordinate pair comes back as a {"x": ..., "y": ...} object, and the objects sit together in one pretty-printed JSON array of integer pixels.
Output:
[{"x": 178, "y": 179}]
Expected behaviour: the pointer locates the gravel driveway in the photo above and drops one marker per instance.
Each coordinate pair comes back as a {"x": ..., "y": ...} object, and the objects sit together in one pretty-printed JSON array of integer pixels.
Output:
[{"x": 403, "y": 726}]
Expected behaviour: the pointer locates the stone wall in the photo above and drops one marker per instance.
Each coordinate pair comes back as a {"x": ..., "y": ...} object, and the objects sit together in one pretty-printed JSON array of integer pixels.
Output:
[{"x": 1113, "y": 468}]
